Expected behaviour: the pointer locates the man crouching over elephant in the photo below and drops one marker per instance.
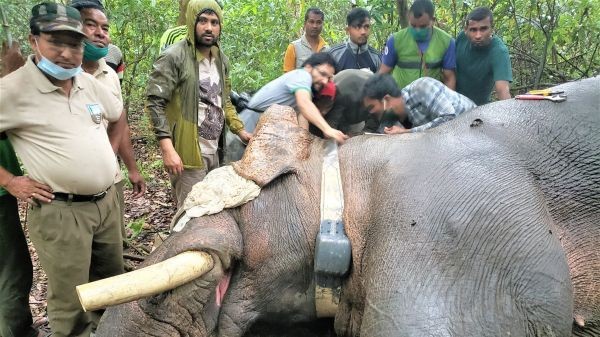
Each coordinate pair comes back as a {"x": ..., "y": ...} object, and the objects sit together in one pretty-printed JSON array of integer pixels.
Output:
[
  {"x": 188, "y": 100},
  {"x": 425, "y": 103}
]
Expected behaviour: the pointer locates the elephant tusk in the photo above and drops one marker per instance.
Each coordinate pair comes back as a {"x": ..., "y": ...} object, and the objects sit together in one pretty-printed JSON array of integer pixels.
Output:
[
  {"x": 144, "y": 282},
  {"x": 579, "y": 320}
]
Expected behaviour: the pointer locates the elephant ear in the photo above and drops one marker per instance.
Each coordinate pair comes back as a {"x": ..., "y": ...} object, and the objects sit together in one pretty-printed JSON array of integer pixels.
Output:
[{"x": 277, "y": 147}]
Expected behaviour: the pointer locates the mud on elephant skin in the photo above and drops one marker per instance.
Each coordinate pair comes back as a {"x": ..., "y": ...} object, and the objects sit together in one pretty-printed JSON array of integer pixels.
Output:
[{"x": 482, "y": 228}]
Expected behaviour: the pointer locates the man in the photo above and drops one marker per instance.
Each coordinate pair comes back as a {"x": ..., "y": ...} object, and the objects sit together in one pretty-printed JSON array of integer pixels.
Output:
[
  {"x": 482, "y": 61},
  {"x": 347, "y": 112},
  {"x": 309, "y": 43},
  {"x": 52, "y": 114},
  {"x": 425, "y": 103},
  {"x": 188, "y": 100},
  {"x": 356, "y": 52},
  {"x": 114, "y": 59},
  {"x": 296, "y": 89},
  {"x": 420, "y": 50},
  {"x": 95, "y": 26}
]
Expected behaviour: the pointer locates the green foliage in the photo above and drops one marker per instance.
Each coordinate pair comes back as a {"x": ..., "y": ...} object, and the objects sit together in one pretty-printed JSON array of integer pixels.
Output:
[
  {"x": 136, "y": 226},
  {"x": 550, "y": 41}
]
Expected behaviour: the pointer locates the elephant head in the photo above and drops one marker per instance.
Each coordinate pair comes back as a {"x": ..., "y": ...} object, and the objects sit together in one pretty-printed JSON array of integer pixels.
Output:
[{"x": 484, "y": 226}]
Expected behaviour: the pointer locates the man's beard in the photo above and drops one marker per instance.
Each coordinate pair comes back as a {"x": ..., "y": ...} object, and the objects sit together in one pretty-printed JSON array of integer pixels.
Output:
[{"x": 200, "y": 43}]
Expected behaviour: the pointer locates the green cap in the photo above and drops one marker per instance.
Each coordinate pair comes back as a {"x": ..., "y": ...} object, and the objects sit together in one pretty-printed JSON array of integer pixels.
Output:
[{"x": 53, "y": 17}]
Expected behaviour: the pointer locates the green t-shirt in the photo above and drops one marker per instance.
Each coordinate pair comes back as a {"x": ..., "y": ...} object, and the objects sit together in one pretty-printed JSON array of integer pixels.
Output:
[
  {"x": 8, "y": 159},
  {"x": 477, "y": 69}
]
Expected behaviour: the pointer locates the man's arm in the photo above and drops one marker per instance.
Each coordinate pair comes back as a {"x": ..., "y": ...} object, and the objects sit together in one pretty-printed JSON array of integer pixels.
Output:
[
  {"x": 389, "y": 58},
  {"x": 126, "y": 153},
  {"x": 231, "y": 117},
  {"x": 115, "y": 131},
  {"x": 25, "y": 188},
  {"x": 449, "y": 77},
  {"x": 502, "y": 90},
  {"x": 449, "y": 66},
  {"x": 309, "y": 111},
  {"x": 289, "y": 59},
  {"x": 435, "y": 98},
  {"x": 161, "y": 84}
]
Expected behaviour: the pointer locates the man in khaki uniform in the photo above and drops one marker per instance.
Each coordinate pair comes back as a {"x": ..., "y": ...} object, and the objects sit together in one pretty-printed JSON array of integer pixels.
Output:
[
  {"x": 95, "y": 27},
  {"x": 52, "y": 114}
]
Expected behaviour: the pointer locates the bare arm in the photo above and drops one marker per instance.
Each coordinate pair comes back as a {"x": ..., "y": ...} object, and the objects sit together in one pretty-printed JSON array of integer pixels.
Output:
[
  {"x": 25, "y": 188},
  {"x": 115, "y": 131},
  {"x": 384, "y": 69},
  {"x": 126, "y": 154},
  {"x": 449, "y": 77},
  {"x": 311, "y": 113},
  {"x": 502, "y": 90},
  {"x": 171, "y": 158}
]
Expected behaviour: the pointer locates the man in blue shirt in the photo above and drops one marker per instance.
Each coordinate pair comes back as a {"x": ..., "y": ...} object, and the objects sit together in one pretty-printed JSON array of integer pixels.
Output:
[
  {"x": 420, "y": 50},
  {"x": 425, "y": 103}
]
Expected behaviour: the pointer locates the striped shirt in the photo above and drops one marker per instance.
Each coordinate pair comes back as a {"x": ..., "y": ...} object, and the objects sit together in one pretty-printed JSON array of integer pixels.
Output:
[
  {"x": 429, "y": 103},
  {"x": 171, "y": 36}
]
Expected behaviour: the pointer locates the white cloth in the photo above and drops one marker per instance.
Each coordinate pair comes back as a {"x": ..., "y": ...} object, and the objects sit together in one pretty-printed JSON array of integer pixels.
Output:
[{"x": 221, "y": 188}]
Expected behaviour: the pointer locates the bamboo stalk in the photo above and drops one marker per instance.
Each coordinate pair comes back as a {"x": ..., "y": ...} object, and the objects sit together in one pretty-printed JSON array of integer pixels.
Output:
[{"x": 145, "y": 282}]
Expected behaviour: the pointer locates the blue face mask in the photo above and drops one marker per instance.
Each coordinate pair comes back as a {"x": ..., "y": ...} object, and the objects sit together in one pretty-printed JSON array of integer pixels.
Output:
[
  {"x": 92, "y": 52},
  {"x": 56, "y": 71}
]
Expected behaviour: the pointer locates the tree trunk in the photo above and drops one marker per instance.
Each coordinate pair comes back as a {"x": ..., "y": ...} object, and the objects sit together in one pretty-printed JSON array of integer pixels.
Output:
[
  {"x": 182, "y": 6},
  {"x": 402, "y": 13}
]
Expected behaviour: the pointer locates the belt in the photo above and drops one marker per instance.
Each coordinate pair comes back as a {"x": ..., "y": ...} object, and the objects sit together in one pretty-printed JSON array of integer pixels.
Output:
[{"x": 79, "y": 197}]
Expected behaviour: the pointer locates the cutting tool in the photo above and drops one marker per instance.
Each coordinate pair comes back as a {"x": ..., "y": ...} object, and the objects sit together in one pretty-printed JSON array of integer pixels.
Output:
[{"x": 554, "y": 98}]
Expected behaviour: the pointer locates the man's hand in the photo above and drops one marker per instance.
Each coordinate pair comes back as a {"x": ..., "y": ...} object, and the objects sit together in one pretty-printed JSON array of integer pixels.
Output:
[
  {"x": 245, "y": 136},
  {"x": 394, "y": 130},
  {"x": 29, "y": 190},
  {"x": 138, "y": 183},
  {"x": 171, "y": 158},
  {"x": 338, "y": 135}
]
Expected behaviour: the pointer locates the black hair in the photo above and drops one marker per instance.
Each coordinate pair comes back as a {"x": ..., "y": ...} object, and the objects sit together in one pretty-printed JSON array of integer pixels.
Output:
[
  {"x": 316, "y": 11},
  {"x": 209, "y": 12},
  {"x": 420, "y": 7},
  {"x": 356, "y": 16},
  {"x": 478, "y": 14},
  {"x": 33, "y": 27},
  {"x": 379, "y": 85},
  {"x": 85, "y": 4},
  {"x": 317, "y": 59}
]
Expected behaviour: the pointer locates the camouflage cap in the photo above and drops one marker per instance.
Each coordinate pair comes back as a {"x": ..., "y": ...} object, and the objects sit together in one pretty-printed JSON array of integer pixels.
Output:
[{"x": 53, "y": 17}]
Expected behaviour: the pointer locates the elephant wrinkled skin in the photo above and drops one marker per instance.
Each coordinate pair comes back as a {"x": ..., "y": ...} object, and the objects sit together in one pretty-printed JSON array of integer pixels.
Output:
[{"x": 485, "y": 226}]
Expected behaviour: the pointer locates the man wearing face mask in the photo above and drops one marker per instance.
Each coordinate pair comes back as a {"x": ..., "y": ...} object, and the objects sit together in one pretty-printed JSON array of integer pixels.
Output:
[
  {"x": 482, "y": 60},
  {"x": 52, "y": 113},
  {"x": 95, "y": 26},
  {"x": 425, "y": 103},
  {"x": 421, "y": 50}
]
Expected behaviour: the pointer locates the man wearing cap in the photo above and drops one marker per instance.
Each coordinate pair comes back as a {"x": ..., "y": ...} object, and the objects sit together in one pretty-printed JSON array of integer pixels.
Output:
[
  {"x": 52, "y": 113},
  {"x": 188, "y": 100},
  {"x": 95, "y": 26}
]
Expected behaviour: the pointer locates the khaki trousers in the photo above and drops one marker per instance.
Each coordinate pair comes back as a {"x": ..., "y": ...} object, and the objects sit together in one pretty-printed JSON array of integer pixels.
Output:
[
  {"x": 76, "y": 242},
  {"x": 182, "y": 184}
]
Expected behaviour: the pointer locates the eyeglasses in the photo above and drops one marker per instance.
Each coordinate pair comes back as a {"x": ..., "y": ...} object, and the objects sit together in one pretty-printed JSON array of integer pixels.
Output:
[{"x": 76, "y": 47}]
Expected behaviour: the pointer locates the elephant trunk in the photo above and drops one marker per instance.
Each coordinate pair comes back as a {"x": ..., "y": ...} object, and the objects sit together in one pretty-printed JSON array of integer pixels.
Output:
[{"x": 145, "y": 282}]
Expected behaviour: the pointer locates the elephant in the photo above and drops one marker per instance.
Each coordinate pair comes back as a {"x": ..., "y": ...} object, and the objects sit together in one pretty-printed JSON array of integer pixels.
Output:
[{"x": 487, "y": 225}]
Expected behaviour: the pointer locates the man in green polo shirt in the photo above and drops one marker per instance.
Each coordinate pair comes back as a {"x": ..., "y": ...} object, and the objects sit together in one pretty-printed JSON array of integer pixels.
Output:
[
  {"x": 482, "y": 61},
  {"x": 420, "y": 50}
]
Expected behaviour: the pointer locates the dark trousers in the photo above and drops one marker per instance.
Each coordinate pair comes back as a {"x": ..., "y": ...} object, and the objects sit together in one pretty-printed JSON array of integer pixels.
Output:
[{"x": 16, "y": 273}]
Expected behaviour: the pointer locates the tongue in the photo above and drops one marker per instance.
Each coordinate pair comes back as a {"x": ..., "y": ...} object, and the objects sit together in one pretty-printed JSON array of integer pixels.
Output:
[{"x": 222, "y": 288}]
